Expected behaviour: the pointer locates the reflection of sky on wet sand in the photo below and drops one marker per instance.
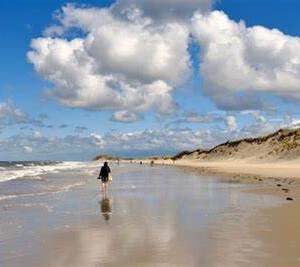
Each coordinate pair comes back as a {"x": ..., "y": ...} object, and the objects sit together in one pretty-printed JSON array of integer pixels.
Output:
[{"x": 159, "y": 217}]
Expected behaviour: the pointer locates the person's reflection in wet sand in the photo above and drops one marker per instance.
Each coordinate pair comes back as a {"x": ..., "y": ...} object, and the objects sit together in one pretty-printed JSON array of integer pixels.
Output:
[{"x": 105, "y": 207}]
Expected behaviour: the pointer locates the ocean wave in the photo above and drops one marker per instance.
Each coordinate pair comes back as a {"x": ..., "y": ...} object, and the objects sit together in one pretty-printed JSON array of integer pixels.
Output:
[
  {"x": 20, "y": 164},
  {"x": 30, "y": 172},
  {"x": 62, "y": 189}
]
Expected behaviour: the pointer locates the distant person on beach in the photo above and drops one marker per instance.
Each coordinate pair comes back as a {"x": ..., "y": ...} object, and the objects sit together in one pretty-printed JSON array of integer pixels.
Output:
[{"x": 103, "y": 175}]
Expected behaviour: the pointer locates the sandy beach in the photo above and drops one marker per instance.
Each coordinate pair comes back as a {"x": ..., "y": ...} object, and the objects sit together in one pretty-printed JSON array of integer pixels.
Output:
[
  {"x": 277, "y": 178},
  {"x": 274, "y": 169},
  {"x": 151, "y": 217}
]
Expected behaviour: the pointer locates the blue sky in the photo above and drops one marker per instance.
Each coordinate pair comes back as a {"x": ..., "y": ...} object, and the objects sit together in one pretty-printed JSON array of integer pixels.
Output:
[{"x": 145, "y": 106}]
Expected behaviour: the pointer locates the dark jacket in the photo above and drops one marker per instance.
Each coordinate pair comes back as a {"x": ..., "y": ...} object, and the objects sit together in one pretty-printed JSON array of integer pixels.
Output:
[{"x": 104, "y": 172}]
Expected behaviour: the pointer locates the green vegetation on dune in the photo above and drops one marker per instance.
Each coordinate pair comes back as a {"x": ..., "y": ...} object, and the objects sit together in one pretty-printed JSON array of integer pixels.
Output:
[{"x": 105, "y": 157}]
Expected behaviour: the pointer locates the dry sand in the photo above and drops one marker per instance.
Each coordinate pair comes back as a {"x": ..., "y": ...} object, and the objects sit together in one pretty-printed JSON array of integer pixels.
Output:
[
  {"x": 276, "y": 169},
  {"x": 267, "y": 169}
]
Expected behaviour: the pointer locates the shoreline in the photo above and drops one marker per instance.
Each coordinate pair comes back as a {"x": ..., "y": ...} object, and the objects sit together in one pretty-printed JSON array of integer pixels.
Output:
[
  {"x": 278, "y": 178},
  {"x": 281, "y": 179},
  {"x": 264, "y": 169}
]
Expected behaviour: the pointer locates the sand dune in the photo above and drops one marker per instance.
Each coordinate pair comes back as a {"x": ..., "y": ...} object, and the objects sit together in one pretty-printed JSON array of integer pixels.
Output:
[
  {"x": 283, "y": 145},
  {"x": 276, "y": 155}
]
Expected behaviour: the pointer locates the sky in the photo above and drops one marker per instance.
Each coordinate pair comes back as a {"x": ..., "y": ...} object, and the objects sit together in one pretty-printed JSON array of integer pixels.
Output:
[{"x": 144, "y": 77}]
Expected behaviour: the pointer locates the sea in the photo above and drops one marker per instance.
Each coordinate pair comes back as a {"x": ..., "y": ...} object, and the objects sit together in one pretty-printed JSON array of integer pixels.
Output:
[{"x": 29, "y": 178}]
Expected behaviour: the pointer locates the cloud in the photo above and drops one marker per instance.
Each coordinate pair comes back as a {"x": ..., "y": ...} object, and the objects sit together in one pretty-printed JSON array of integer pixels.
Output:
[
  {"x": 11, "y": 115},
  {"x": 37, "y": 135},
  {"x": 134, "y": 54},
  {"x": 235, "y": 101},
  {"x": 53, "y": 30},
  {"x": 164, "y": 140},
  {"x": 44, "y": 147},
  {"x": 165, "y": 9},
  {"x": 231, "y": 123},
  {"x": 236, "y": 58},
  {"x": 256, "y": 114},
  {"x": 119, "y": 64},
  {"x": 295, "y": 123},
  {"x": 43, "y": 116},
  {"x": 79, "y": 146},
  {"x": 193, "y": 117},
  {"x": 125, "y": 116},
  {"x": 263, "y": 123},
  {"x": 63, "y": 126},
  {"x": 28, "y": 149},
  {"x": 98, "y": 140},
  {"x": 159, "y": 141},
  {"x": 80, "y": 129},
  {"x": 76, "y": 129}
]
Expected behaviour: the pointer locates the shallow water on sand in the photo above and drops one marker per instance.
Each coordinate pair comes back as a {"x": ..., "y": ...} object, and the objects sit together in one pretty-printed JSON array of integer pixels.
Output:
[{"x": 151, "y": 216}]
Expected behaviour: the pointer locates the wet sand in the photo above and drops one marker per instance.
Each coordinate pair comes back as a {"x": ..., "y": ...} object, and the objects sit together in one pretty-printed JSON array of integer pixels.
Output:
[
  {"x": 152, "y": 216},
  {"x": 274, "y": 169},
  {"x": 278, "y": 178}
]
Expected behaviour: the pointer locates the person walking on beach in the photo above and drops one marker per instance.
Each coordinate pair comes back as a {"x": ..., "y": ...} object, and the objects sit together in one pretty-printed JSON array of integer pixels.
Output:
[{"x": 103, "y": 175}]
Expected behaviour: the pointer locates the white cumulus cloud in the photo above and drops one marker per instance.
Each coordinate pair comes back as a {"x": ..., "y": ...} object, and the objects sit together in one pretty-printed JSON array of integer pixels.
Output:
[
  {"x": 118, "y": 64},
  {"x": 134, "y": 54},
  {"x": 236, "y": 58},
  {"x": 166, "y": 9}
]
